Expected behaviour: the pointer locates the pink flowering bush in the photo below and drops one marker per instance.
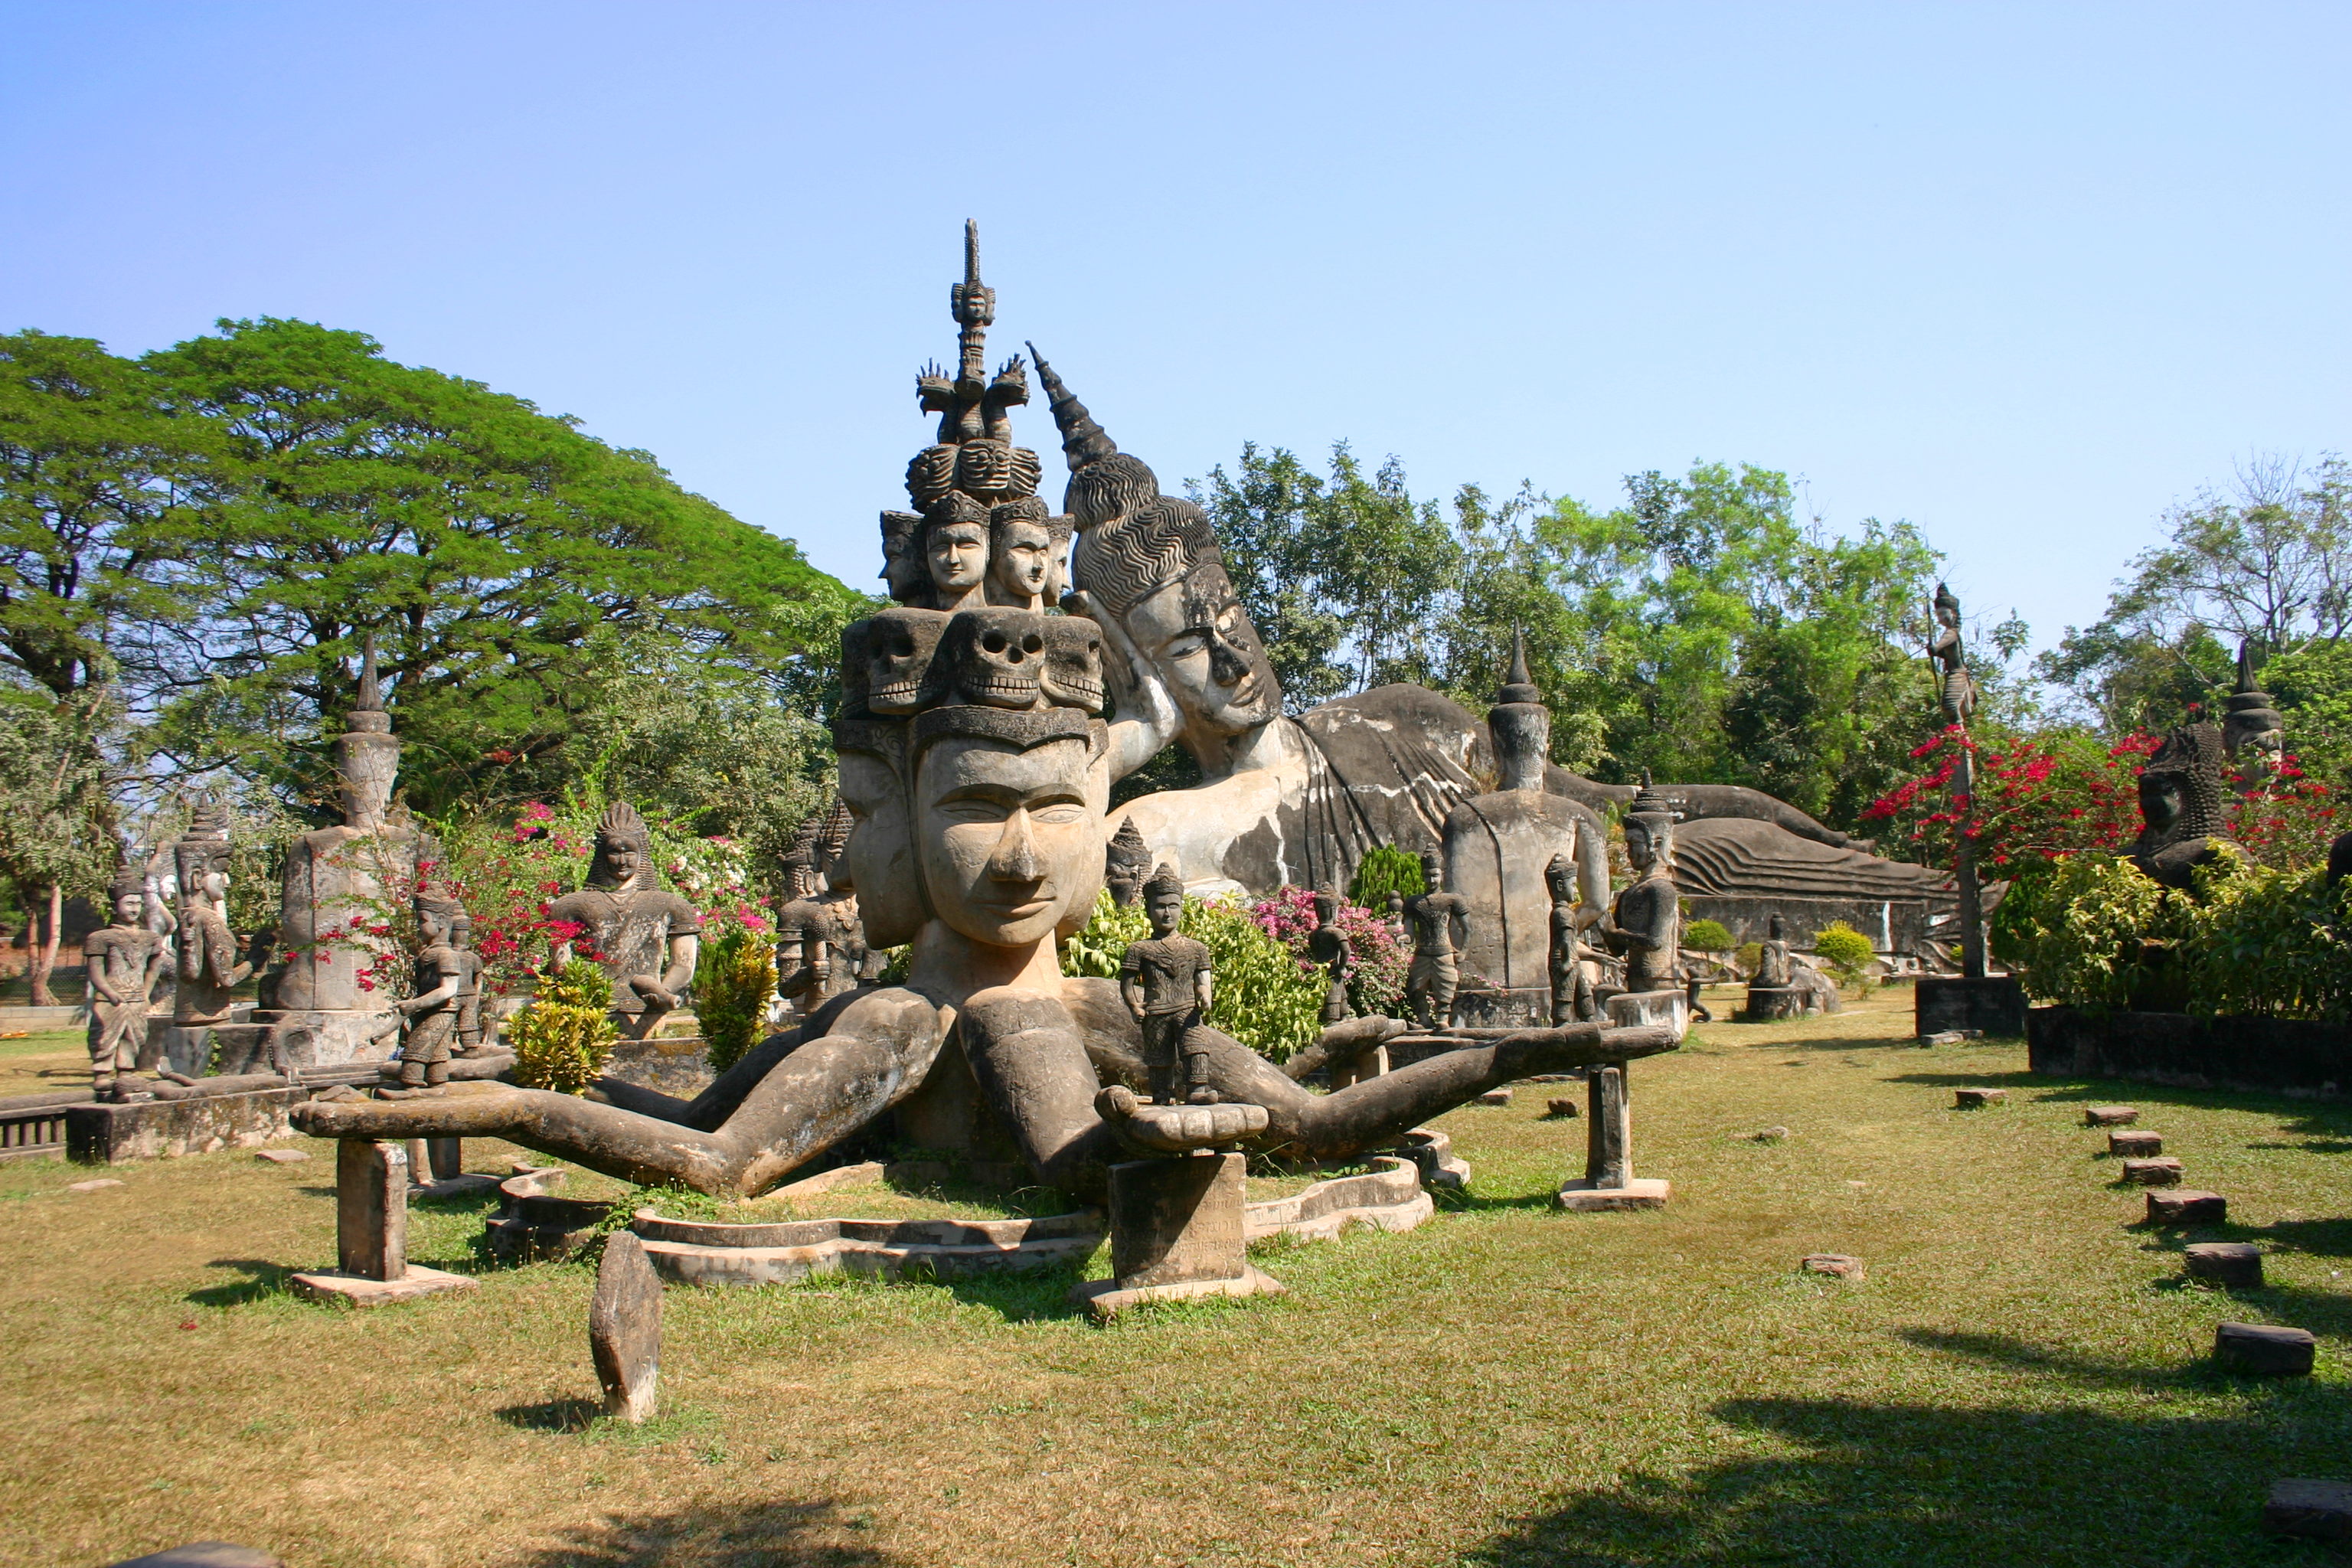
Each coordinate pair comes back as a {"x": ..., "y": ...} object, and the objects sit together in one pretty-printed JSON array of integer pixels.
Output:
[{"x": 1382, "y": 961}]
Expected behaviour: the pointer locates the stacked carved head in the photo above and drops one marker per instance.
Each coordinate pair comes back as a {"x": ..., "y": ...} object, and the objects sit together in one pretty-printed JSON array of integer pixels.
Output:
[
  {"x": 973, "y": 773},
  {"x": 1520, "y": 725},
  {"x": 2252, "y": 729},
  {"x": 201, "y": 857},
  {"x": 1650, "y": 830}
]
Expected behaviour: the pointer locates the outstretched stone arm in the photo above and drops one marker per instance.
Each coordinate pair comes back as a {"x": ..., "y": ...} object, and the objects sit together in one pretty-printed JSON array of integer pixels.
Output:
[
  {"x": 1030, "y": 1059},
  {"x": 876, "y": 1053}
]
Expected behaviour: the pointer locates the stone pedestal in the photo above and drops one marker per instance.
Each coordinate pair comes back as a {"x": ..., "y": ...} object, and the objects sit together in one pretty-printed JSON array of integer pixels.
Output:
[
  {"x": 2187, "y": 1205},
  {"x": 1767, "y": 1003},
  {"x": 2135, "y": 1145},
  {"x": 1608, "y": 1182},
  {"x": 323, "y": 1037},
  {"x": 1995, "y": 1005},
  {"x": 372, "y": 1233},
  {"x": 2235, "y": 1265},
  {"x": 2264, "y": 1350},
  {"x": 1176, "y": 1233},
  {"x": 1501, "y": 1008},
  {"x": 2309, "y": 1509},
  {"x": 108, "y": 1134}
]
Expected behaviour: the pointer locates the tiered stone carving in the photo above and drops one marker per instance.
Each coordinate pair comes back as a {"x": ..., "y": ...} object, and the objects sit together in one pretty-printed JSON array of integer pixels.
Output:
[{"x": 2253, "y": 731}]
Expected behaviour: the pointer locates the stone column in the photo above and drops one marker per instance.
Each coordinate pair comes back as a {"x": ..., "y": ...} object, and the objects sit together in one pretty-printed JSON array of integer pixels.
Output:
[
  {"x": 371, "y": 1209},
  {"x": 1607, "y": 1156}
]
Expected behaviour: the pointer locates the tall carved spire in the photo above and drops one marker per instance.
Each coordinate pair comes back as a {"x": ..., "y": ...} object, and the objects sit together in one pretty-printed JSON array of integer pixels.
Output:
[
  {"x": 371, "y": 696},
  {"x": 1518, "y": 686},
  {"x": 974, "y": 304},
  {"x": 1082, "y": 440}
]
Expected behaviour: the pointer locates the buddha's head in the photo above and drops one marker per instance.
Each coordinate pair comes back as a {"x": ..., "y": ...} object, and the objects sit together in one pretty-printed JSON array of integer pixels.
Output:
[
  {"x": 1520, "y": 726},
  {"x": 2180, "y": 787},
  {"x": 1649, "y": 831}
]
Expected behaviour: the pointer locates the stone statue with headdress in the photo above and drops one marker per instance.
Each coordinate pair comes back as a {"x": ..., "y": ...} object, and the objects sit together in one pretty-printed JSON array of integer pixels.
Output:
[
  {"x": 124, "y": 958},
  {"x": 1644, "y": 924},
  {"x": 2182, "y": 823},
  {"x": 645, "y": 936},
  {"x": 2253, "y": 732}
]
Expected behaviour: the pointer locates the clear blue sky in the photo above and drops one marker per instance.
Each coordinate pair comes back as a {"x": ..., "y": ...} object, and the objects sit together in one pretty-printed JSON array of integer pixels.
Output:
[{"x": 2024, "y": 275}]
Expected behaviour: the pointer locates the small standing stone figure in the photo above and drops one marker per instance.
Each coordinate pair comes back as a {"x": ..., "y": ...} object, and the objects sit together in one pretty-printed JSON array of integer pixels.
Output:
[
  {"x": 1440, "y": 924},
  {"x": 429, "y": 1018},
  {"x": 1166, "y": 983},
  {"x": 208, "y": 970},
  {"x": 1572, "y": 1000},
  {"x": 646, "y": 937},
  {"x": 125, "y": 960},
  {"x": 1773, "y": 970},
  {"x": 1327, "y": 944},
  {"x": 1956, "y": 688},
  {"x": 469, "y": 985},
  {"x": 1644, "y": 925}
]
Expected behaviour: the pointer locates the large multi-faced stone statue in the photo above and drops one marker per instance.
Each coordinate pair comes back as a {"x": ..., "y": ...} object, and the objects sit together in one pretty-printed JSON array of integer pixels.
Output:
[
  {"x": 645, "y": 936},
  {"x": 124, "y": 958},
  {"x": 977, "y": 805}
]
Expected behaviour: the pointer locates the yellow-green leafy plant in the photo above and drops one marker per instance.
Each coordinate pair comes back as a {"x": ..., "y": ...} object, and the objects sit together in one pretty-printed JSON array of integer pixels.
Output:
[
  {"x": 1847, "y": 952},
  {"x": 561, "y": 1038},
  {"x": 2075, "y": 932},
  {"x": 1708, "y": 936},
  {"x": 1261, "y": 995},
  {"x": 733, "y": 980},
  {"x": 1383, "y": 870}
]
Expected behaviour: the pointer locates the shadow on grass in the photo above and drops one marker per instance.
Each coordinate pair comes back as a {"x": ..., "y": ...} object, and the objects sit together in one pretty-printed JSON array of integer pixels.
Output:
[
  {"x": 744, "y": 1535},
  {"x": 1927, "y": 1485},
  {"x": 262, "y": 1278},
  {"x": 1035, "y": 1298},
  {"x": 1462, "y": 1200},
  {"x": 553, "y": 1416},
  {"x": 1969, "y": 1081}
]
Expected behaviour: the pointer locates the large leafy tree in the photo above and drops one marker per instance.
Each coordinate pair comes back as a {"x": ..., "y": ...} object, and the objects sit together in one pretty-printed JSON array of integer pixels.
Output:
[
  {"x": 485, "y": 544},
  {"x": 91, "y": 469},
  {"x": 57, "y": 814}
]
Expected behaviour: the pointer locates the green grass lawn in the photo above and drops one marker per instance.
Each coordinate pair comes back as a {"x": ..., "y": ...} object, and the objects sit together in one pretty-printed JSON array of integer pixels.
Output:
[{"x": 2021, "y": 1379}]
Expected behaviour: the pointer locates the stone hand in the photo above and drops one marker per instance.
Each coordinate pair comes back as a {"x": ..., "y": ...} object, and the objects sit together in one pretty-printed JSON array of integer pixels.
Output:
[
  {"x": 1177, "y": 1129},
  {"x": 650, "y": 987}
]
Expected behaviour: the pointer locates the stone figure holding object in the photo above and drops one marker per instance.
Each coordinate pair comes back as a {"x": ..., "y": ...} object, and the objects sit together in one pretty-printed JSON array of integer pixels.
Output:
[
  {"x": 209, "y": 970},
  {"x": 1572, "y": 997},
  {"x": 1440, "y": 923},
  {"x": 1644, "y": 924},
  {"x": 644, "y": 937},
  {"x": 469, "y": 1040},
  {"x": 1166, "y": 981},
  {"x": 1327, "y": 945},
  {"x": 124, "y": 958},
  {"x": 427, "y": 1020}
]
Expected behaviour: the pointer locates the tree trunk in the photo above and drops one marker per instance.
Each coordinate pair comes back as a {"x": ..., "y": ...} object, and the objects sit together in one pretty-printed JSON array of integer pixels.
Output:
[{"x": 41, "y": 949}]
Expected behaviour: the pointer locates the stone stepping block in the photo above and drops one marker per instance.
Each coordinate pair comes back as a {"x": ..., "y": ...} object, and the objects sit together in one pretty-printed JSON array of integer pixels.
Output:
[
  {"x": 1493, "y": 1097},
  {"x": 206, "y": 1554},
  {"x": 2164, "y": 1172},
  {"x": 2187, "y": 1205},
  {"x": 1561, "y": 1110},
  {"x": 2136, "y": 1145},
  {"x": 1978, "y": 1099},
  {"x": 2264, "y": 1350},
  {"x": 2236, "y": 1264},
  {"x": 280, "y": 1156},
  {"x": 1769, "y": 1135},
  {"x": 99, "y": 1185},
  {"x": 1836, "y": 1264},
  {"x": 2309, "y": 1509},
  {"x": 2110, "y": 1116}
]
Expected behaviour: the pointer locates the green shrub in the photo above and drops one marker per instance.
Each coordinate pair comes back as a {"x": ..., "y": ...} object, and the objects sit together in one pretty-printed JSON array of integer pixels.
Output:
[
  {"x": 1847, "y": 952},
  {"x": 1708, "y": 936},
  {"x": 561, "y": 1038},
  {"x": 1751, "y": 956},
  {"x": 2072, "y": 931},
  {"x": 1261, "y": 995},
  {"x": 1386, "y": 869},
  {"x": 733, "y": 980}
]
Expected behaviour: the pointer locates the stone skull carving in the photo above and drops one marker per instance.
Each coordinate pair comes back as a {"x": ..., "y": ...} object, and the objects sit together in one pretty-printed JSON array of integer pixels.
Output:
[
  {"x": 1073, "y": 673},
  {"x": 992, "y": 658},
  {"x": 899, "y": 646}
]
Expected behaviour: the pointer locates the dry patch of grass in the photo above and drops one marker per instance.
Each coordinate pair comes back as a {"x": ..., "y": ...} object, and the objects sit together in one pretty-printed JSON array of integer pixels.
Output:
[
  {"x": 2019, "y": 1380},
  {"x": 44, "y": 1061}
]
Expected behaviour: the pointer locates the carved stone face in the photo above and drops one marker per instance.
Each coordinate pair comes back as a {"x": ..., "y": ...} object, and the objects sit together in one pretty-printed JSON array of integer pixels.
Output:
[
  {"x": 1645, "y": 846},
  {"x": 434, "y": 926},
  {"x": 215, "y": 881},
  {"x": 878, "y": 858},
  {"x": 1326, "y": 907},
  {"x": 2161, "y": 797},
  {"x": 1433, "y": 870},
  {"x": 1022, "y": 559},
  {"x": 1163, "y": 907},
  {"x": 1072, "y": 676},
  {"x": 625, "y": 863},
  {"x": 957, "y": 553},
  {"x": 461, "y": 931},
  {"x": 129, "y": 909},
  {"x": 1522, "y": 733},
  {"x": 898, "y": 648},
  {"x": 1006, "y": 838},
  {"x": 904, "y": 570},
  {"x": 1198, "y": 638},
  {"x": 992, "y": 658}
]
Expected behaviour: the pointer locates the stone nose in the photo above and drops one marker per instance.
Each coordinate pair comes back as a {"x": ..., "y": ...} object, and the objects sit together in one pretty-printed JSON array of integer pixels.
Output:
[
  {"x": 1227, "y": 666},
  {"x": 1015, "y": 857}
]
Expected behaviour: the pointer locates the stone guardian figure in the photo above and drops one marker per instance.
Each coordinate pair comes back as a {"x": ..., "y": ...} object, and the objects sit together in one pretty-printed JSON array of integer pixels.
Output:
[
  {"x": 209, "y": 970},
  {"x": 1644, "y": 925},
  {"x": 1440, "y": 923},
  {"x": 125, "y": 959},
  {"x": 428, "y": 1019},
  {"x": 1166, "y": 982}
]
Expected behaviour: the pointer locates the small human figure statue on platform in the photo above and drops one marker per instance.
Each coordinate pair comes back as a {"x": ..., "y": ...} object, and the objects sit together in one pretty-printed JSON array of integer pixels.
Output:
[
  {"x": 1572, "y": 1000},
  {"x": 469, "y": 1041},
  {"x": 1644, "y": 925},
  {"x": 428, "y": 1019},
  {"x": 1956, "y": 688},
  {"x": 208, "y": 968},
  {"x": 125, "y": 960},
  {"x": 1327, "y": 944},
  {"x": 1773, "y": 970},
  {"x": 1440, "y": 924},
  {"x": 1166, "y": 982}
]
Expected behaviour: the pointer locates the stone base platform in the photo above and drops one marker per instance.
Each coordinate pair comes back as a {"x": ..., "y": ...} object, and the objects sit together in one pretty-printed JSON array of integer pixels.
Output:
[
  {"x": 1106, "y": 1300},
  {"x": 701, "y": 1252},
  {"x": 416, "y": 1281},
  {"x": 1769, "y": 1004},
  {"x": 1388, "y": 1198},
  {"x": 107, "y": 1135},
  {"x": 1581, "y": 1197}
]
